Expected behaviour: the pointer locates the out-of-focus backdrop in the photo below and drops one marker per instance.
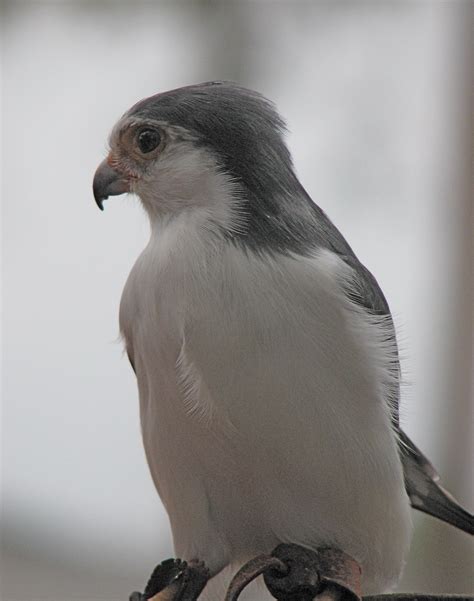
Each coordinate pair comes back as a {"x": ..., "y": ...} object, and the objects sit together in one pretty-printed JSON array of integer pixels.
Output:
[{"x": 376, "y": 95}]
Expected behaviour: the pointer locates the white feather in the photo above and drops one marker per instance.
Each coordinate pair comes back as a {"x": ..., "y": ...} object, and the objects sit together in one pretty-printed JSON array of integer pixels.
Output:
[{"x": 263, "y": 401}]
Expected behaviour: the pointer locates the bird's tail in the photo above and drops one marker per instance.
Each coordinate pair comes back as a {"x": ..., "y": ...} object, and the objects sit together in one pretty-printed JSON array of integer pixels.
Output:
[{"x": 425, "y": 492}]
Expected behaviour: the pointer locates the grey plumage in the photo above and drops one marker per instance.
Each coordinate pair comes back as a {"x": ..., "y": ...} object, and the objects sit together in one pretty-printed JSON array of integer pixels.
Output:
[{"x": 425, "y": 492}]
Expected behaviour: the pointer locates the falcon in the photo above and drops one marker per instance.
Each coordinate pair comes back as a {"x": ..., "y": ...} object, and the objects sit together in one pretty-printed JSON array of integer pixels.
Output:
[{"x": 265, "y": 353}]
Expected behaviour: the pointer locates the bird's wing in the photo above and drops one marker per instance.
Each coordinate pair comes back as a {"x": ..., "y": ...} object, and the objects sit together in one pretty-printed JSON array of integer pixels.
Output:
[
  {"x": 425, "y": 492},
  {"x": 367, "y": 294},
  {"x": 421, "y": 479}
]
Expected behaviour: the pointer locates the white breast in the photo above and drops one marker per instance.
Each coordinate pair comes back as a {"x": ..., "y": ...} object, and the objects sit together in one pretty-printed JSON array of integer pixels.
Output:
[{"x": 262, "y": 395}]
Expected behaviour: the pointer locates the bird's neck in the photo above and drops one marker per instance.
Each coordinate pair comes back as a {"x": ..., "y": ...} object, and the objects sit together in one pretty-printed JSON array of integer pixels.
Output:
[{"x": 195, "y": 194}]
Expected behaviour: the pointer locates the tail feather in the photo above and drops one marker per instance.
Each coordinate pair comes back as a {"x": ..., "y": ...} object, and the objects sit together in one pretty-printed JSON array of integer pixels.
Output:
[{"x": 425, "y": 492}]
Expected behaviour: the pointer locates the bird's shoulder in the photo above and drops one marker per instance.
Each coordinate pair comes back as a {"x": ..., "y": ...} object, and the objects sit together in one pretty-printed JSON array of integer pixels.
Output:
[{"x": 365, "y": 290}]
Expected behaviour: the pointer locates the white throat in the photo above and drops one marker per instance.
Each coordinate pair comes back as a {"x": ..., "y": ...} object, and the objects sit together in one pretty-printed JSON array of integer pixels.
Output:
[{"x": 187, "y": 188}]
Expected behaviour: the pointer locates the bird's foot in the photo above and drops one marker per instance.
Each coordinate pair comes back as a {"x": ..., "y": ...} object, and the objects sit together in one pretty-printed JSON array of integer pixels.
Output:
[
  {"x": 175, "y": 580},
  {"x": 294, "y": 572}
]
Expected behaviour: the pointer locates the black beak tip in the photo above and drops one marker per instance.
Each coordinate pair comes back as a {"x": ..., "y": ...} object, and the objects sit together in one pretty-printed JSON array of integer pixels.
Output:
[
  {"x": 99, "y": 195},
  {"x": 99, "y": 202}
]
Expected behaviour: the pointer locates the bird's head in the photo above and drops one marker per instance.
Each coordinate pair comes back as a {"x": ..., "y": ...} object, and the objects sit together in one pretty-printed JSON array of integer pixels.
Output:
[{"x": 201, "y": 146}]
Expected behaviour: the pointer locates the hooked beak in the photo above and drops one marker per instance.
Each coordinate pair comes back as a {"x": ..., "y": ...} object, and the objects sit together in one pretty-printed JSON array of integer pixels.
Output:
[{"x": 108, "y": 182}]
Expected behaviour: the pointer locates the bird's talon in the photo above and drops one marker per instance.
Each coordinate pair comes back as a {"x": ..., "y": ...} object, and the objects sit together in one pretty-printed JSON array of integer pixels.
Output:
[
  {"x": 163, "y": 576},
  {"x": 251, "y": 570},
  {"x": 195, "y": 579},
  {"x": 175, "y": 580},
  {"x": 294, "y": 572},
  {"x": 322, "y": 574}
]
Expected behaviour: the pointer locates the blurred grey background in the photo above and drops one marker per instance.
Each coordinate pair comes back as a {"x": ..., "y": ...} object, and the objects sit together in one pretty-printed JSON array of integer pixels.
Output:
[{"x": 376, "y": 95}]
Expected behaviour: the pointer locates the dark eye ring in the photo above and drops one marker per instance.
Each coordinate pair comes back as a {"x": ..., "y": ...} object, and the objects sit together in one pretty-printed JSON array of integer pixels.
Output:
[{"x": 148, "y": 140}]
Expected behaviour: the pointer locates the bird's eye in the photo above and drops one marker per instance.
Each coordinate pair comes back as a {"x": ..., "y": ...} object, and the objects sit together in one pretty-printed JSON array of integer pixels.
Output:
[{"x": 148, "y": 140}]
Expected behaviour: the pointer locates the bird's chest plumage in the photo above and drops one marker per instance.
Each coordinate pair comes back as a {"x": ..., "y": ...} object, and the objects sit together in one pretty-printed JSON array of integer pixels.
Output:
[
  {"x": 156, "y": 304},
  {"x": 262, "y": 389},
  {"x": 172, "y": 287}
]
